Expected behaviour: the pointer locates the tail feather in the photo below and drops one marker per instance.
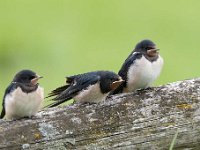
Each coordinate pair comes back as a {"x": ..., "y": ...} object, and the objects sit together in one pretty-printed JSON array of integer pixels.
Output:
[
  {"x": 58, "y": 91},
  {"x": 56, "y": 103},
  {"x": 58, "y": 96}
]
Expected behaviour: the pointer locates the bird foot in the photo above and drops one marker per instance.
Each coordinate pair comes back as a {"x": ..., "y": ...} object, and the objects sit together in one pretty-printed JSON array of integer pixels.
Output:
[
  {"x": 86, "y": 103},
  {"x": 148, "y": 88},
  {"x": 144, "y": 89}
]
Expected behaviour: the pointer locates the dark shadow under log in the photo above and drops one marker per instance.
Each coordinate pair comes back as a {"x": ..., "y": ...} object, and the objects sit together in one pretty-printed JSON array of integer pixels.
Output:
[{"x": 146, "y": 119}]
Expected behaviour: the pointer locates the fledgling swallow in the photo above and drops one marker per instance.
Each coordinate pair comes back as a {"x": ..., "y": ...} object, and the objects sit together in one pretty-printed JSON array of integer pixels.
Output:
[
  {"x": 91, "y": 87},
  {"x": 23, "y": 97},
  {"x": 141, "y": 68}
]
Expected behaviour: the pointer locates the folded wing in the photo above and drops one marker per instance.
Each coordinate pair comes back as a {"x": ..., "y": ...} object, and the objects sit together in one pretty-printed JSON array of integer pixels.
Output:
[{"x": 75, "y": 85}]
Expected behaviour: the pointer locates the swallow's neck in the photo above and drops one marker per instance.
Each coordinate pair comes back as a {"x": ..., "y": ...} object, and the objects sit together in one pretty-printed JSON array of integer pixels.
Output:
[
  {"x": 151, "y": 58},
  {"x": 27, "y": 87}
]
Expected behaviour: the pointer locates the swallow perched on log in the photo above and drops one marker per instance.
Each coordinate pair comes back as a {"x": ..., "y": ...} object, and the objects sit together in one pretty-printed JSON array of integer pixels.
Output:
[
  {"x": 91, "y": 87},
  {"x": 141, "y": 68},
  {"x": 23, "y": 97}
]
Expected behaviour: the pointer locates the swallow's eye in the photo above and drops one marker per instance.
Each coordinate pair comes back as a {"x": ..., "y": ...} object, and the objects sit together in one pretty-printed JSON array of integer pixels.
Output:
[
  {"x": 74, "y": 83},
  {"x": 114, "y": 79},
  {"x": 31, "y": 77},
  {"x": 148, "y": 48}
]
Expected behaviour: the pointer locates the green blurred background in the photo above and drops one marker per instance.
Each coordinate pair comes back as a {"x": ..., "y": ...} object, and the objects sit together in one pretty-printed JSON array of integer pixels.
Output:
[{"x": 57, "y": 38}]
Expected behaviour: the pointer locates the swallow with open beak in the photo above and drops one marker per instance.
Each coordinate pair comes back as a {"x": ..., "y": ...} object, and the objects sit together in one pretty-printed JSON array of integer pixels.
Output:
[
  {"x": 141, "y": 68},
  {"x": 23, "y": 97},
  {"x": 91, "y": 87}
]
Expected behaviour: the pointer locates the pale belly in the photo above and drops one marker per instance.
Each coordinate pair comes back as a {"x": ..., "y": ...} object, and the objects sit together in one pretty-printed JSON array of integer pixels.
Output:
[
  {"x": 19, "y": 104},
  {"x": 143, "y": 73},
  {"x": 91, "y": 94}
]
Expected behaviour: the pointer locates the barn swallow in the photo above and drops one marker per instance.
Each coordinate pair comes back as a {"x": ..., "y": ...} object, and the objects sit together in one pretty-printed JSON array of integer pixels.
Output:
[
  {"x": 141, "y": 68},
  {"x": 23, "y": 97},
  {"x": 91, "y": 87}
]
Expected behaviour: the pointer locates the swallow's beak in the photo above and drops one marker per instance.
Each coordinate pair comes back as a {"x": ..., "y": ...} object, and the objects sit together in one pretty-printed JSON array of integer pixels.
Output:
[
  {"x": 116, "y": 84},
  {"x": 34, "y": 81},
  {"x": 152, "y": 52}
]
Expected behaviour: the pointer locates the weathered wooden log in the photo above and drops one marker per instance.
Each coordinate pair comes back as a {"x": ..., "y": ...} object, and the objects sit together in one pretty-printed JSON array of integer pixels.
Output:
[{"x": 145, "y": 119}]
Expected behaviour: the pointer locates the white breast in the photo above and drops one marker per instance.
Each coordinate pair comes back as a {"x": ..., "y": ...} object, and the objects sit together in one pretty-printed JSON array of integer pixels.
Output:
[
  {"x": 142, "y": 73},
  {"x": 91, "y": 94},
  {"x": 19, "y": 104}
]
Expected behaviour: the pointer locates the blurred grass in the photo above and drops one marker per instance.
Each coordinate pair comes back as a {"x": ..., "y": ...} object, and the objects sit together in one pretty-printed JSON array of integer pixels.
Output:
[
  {"x": 57, "y": 38},
  {"x": 174, "y": 141}
]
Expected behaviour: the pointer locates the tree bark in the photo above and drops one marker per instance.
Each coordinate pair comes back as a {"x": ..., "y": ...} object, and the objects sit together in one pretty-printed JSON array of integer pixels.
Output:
[{"x": 145, "y": 119}]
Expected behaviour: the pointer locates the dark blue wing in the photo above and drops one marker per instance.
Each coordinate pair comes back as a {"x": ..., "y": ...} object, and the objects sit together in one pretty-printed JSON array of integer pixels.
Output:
[
  {"x": 128, "y": 62},
  {"x": 79, "y": 83},
  {"x": 8, "y": 90},
  {"x": 124, "y": 71}
]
